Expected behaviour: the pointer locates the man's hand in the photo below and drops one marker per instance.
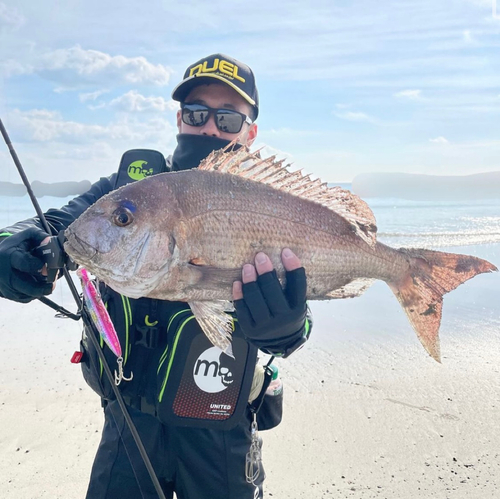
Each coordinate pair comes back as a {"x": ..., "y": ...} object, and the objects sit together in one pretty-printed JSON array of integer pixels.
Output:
[
  {"x": 20, "y": 271},
  {"x": 270, "y": 317}
]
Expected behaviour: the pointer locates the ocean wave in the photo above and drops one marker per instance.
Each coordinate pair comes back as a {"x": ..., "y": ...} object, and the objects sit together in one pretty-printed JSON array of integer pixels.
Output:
[
  {"x": 406, "y": 203},
  {"x": 438, "y": 240},
  {"x": 438, "y": 234}
]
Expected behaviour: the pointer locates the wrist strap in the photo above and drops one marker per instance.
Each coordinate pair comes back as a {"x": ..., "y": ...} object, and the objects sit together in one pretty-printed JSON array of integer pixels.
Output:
[{"x": 297, "y": 342}]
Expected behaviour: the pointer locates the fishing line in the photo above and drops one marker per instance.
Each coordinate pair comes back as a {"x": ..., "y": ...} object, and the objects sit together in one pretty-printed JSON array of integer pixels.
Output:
[{"x": 84, "y": 315}]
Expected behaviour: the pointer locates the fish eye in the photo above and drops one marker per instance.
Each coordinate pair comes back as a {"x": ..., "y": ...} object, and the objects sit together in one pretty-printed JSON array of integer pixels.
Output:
[{"x": 122, "y": 217}]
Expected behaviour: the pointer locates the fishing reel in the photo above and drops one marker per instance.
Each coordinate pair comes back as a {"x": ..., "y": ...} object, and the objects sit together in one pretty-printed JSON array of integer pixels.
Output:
[{"x": 53, "y": 255}]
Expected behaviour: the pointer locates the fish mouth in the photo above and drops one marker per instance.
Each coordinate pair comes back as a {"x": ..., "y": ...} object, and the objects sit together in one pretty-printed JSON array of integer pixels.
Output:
[
  {"x": 78, "y": 249},
  {"x": 85, "y": 254}
]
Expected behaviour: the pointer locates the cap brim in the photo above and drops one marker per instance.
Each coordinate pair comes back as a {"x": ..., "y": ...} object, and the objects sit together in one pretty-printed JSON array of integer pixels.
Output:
[{"x": 181, "y": 91}]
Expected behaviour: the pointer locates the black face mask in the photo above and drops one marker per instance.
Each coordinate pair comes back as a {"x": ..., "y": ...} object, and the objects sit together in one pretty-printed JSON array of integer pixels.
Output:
[{"x": 192, "y": 149}]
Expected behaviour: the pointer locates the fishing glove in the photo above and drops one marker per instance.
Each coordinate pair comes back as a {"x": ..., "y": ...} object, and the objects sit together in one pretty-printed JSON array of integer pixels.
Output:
[
  {"x": 20, "y": 278},
  {"x": 272, "y": 318}
]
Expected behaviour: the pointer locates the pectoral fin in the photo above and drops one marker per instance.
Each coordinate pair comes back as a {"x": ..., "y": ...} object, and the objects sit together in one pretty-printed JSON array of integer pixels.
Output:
[
  {"x": 210, "y": 277},
  {"x": 215, "y": 322}
]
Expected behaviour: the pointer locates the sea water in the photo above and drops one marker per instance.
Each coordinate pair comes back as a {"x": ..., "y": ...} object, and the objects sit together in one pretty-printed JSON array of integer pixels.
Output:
[
  {"x": 428, "y": 224},
  {"x": 15, "y": 209}
]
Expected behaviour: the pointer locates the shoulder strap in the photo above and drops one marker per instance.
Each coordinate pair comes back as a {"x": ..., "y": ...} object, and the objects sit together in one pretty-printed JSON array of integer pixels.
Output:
[{"x": 137, "y": 164}]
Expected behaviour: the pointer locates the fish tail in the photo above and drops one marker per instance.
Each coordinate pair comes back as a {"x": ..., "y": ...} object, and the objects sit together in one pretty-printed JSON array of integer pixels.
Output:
[{"x": 432, "y": 274}]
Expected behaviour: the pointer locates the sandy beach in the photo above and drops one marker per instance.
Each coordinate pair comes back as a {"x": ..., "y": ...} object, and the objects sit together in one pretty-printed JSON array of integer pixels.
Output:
[{"x": 367, "y": 413}]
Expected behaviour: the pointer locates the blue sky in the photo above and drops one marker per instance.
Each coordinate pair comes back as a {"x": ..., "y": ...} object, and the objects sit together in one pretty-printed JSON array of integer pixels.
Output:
[{"x": 345, "y": 87}]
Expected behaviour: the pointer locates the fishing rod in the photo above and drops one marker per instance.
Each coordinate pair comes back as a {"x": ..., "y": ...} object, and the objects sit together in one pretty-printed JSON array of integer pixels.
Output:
[{"x": 53, "y": 254}]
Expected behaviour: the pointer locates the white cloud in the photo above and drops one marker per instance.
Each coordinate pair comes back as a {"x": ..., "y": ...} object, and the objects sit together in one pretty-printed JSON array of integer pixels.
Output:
[
  {"x": 482, "y": 3},
  {"x": 468, "y": 36},
  {"x": 93, "y": 63},
  {"x": 355, "y": 116},
  {"x": 409, "y": 94},
  {"x": 94, "y": 107},
  {"x": 91, "y": 96},
  {"x": 135, "y": 102},
  {"x": 41, "y": 125},
  {"x": 440, "y": 140},
  {"x": 76, "y": 67},
  {"x": 10, "y": 67},
  {"x": 54, "y": 149},
  {"x": 10, "y": 18}
]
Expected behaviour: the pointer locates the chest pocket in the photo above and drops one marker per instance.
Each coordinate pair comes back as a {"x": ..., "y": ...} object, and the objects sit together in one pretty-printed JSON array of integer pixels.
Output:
[
  {"x": 198, "y": 384},
  {"x": 137, "y": 164}
]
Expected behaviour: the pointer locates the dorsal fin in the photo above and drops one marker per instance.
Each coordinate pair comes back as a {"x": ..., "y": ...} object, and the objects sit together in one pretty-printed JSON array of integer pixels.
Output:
[{"x": 268, "y": 171}]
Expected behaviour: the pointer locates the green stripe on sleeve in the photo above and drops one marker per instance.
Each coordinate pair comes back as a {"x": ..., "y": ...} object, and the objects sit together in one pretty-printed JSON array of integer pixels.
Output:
[
  {"x": 307, "y": 328},
  {"x": 174, "y": 348}
]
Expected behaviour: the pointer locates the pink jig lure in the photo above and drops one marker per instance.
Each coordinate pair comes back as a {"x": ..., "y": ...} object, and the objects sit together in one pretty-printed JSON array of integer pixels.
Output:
[{"x": 102, "y": 321}]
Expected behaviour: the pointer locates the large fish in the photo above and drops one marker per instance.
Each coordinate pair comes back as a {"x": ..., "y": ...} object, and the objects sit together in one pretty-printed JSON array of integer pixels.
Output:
[{"x": 184, "y": 236}]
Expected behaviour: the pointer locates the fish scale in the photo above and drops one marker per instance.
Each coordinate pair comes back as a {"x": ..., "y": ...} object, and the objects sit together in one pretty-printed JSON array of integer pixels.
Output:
[{"x": 272, "y": 220}]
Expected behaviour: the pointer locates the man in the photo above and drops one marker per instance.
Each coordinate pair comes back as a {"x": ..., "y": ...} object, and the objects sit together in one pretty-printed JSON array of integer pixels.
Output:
[{"x": 218, "y": 104}]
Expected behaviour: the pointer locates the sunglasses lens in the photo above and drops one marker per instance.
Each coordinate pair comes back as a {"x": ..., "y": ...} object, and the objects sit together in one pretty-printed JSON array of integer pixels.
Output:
[
  {"x": 228, "y": 121},
  {"x": 195, "y": 115}
]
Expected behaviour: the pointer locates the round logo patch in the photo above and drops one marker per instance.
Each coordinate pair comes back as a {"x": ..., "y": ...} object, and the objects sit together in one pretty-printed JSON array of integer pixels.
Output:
[
  {"x": 137, "y": 170},
  {"x": 213, "y": 370}
]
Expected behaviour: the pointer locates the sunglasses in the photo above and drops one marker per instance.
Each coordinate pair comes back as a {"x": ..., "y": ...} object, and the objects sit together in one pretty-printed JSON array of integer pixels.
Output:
[{"x": 227, "y": 120}]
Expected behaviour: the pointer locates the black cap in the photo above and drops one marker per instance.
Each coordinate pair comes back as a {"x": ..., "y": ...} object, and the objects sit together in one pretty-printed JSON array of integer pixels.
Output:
[{"x": 223, "y": 68}]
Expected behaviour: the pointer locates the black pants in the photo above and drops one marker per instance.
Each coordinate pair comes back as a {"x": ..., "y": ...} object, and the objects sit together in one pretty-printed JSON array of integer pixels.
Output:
[{"x": 192, "y": 462}]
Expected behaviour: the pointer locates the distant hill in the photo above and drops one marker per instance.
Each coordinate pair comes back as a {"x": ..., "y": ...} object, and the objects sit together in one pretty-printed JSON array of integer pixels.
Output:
[
  {"x": 427, "y": 187},
  {"x": 56, "y": 189}
]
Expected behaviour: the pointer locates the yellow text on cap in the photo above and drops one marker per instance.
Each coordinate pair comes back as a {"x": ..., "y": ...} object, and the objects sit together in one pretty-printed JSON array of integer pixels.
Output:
[{"x": 222, "y": 66}]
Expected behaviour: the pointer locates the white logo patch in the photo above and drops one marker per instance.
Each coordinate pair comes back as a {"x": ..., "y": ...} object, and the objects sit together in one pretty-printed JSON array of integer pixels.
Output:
[{"x": 209, "y": 373}]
